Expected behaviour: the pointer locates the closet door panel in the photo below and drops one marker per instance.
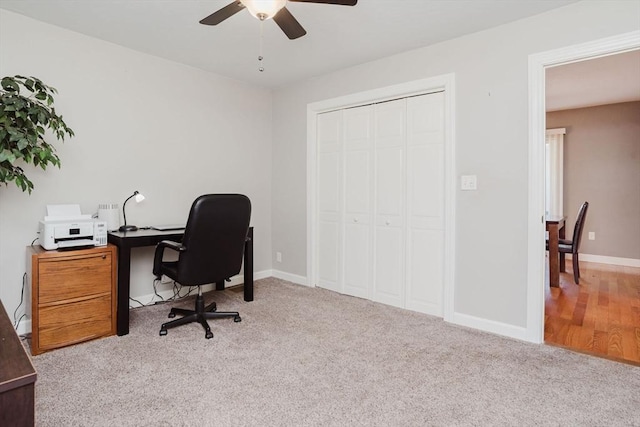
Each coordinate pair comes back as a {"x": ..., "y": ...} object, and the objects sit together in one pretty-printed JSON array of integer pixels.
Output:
[
  {"x": 330, "y": 164},
  {"x": 389, "y": 181},
  {"x": 358, "y": 196},
  {"x": 357, "y": 260},
  {"x": 425, "y": 203},
  {"x": 329, "y": 171},
  {"x": 389, "y": 167},
  {"x": 357, "y": 182},
  {"x": 390, "y": 134},
  {"x": 425, "y": 194},
  {"x": 329, "y": 258},
  {"x": 424, "y": 271},
  {"x": 389, "y": 268}
]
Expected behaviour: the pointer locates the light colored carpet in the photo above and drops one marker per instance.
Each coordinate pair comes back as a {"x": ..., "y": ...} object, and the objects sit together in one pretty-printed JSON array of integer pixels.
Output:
[{"x": 309, "y": 357}]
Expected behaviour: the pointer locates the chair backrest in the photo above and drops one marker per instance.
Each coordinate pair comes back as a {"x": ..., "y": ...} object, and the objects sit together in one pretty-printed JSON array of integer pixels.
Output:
[
  {"x": 579, "y": 226},
  {"x": 214, "y": 239}
]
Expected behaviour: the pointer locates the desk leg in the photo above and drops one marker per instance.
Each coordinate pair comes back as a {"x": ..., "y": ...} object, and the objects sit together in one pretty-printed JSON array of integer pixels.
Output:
[
  {"x": 124, "y": 270},
  {"x": 554, "y": 268},
  {"x": 248, "y": 267}
]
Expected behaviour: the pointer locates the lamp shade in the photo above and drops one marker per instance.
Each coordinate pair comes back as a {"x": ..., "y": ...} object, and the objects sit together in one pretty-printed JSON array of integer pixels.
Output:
[
  {"x": 264, "y": 9},
  {"x": 138, "y": 198}
]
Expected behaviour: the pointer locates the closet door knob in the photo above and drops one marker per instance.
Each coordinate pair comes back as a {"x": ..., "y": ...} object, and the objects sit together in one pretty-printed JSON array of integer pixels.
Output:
[
  {"x": 355, "y": 219},
  {"x": 387, "y": 222}
]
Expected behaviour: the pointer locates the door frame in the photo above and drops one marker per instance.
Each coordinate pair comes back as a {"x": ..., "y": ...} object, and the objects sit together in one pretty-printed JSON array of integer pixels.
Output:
[
  {"x": 538, "y": 63},
  {"x": 444, "y": 83}
]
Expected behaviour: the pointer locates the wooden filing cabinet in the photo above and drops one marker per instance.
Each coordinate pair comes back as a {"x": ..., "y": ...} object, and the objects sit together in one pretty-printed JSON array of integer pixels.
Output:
[{"x": 73, "y": 296}]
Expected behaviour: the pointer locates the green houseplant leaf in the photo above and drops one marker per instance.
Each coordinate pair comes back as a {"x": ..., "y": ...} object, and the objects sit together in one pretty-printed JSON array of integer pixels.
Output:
[{"x": 26, "y": 112}]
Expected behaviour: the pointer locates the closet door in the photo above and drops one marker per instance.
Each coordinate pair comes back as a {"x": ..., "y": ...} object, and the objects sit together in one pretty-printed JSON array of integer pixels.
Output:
[
  {"x": 380, "y": 214},
  {"x": 358, "y": 195},
  {"x": 425, "y": 203},
  {"x": 329, "y": 140},
  {"x": 389, "y": 247}
]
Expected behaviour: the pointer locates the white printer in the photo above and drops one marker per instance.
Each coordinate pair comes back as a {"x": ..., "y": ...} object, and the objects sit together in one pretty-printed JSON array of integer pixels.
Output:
[{"x": 64, "y": 227}]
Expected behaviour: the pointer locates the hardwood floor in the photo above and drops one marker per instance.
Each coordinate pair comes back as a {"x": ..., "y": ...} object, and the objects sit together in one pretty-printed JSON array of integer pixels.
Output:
[{"x": 600, "y": 316}]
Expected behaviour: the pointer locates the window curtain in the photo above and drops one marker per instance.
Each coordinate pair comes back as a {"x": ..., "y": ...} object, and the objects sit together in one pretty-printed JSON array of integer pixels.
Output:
[{"x": 554, "y": 171}]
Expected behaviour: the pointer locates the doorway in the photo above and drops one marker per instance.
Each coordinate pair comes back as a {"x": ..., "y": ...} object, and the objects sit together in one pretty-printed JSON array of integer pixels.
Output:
[
  {"x": 538, "y": 64},
  {"x": 598, "y": 101}
]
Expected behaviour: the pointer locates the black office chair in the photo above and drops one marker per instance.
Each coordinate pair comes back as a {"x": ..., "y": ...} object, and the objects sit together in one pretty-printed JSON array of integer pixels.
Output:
[
  {"x": 210, "y": 252},
  {"x": 572, "y": 246}
]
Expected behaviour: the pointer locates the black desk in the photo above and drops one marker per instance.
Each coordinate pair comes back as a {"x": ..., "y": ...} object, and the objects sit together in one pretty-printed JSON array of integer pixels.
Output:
[{"x": 134, "y": 239}]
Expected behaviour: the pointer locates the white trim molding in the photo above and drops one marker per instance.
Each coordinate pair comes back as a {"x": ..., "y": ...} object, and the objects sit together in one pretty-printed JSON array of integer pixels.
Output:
[
  {"x": 608, "y": 260},
  {"x": 444, "y": 83},
  {"x": 491, "y": 326},
  {"x": 538, "y": 63},
  {"x": 294, "y": 278}
]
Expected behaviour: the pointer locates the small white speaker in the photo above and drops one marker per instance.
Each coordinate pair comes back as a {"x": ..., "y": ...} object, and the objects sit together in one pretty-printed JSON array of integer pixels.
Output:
[{"x": 109, "y": 213}]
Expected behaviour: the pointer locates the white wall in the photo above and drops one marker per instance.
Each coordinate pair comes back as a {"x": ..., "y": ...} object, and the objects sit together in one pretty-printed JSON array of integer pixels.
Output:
[
  {"x": 491, "y": 142},
  {"x": 141, "y": 123}
]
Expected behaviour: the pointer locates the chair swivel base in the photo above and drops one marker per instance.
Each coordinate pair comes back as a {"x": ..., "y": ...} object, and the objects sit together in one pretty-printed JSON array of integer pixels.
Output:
[{"x": 200, "y": 315}]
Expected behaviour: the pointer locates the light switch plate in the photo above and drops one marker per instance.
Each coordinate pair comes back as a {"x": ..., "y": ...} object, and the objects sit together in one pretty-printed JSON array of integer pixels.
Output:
[{"x": 468, "y": 182}]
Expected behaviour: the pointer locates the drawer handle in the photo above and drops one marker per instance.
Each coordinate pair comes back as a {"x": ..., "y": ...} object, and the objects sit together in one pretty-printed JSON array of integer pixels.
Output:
[{"x": 104, "y": 256}]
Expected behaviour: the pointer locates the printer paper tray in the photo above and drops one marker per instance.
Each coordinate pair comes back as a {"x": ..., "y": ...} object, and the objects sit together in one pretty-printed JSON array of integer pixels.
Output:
[{"x": 65, "y": 244}]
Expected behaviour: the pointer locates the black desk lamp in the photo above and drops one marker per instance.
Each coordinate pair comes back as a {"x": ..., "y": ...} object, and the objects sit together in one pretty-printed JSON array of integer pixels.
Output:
[{"x": 139, "y": 197}]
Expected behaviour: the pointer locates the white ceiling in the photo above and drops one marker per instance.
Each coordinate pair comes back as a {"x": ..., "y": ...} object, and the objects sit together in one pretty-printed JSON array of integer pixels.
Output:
[
  {"x": 337, "y": 36},
  {"x": 606, "y": 80}
]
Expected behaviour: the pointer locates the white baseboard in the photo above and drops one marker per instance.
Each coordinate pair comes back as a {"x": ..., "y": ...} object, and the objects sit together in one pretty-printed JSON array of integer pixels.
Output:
[
  {"x": 24, "y": 327},
  {"x": 168, "y": 293},
  {"x": 609, "y": 260},
  {"x": 300, "y": 280},
  {"x": 491, "y": 326},
  {"x": 499, "y": 328}
]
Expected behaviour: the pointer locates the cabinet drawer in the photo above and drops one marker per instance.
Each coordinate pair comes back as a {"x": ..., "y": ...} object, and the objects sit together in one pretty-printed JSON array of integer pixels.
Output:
[
  {"x": 66, "y": 324},
  {"x": 74, "y": 277}
]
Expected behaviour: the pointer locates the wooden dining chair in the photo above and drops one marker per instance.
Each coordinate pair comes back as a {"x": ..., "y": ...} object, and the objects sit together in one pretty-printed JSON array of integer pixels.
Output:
[{"x": 572, "y": 246}]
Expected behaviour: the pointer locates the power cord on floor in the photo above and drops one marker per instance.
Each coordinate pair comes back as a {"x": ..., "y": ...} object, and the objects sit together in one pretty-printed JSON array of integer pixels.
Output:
[
  {"x": 176, "y": 294},
  {"x": 16, "y": 320}
]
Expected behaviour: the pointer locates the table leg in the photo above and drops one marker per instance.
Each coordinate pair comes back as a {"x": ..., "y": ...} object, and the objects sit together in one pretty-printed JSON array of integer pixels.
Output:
[
  {"x": 248, "y": 267},
  {"x": 561, "y": 236},
  {"x": 124, "y": 269},
  {"x": 554, "y": 268}
]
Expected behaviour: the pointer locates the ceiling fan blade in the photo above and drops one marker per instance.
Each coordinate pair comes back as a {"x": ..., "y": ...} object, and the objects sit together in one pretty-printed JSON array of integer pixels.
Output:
[
  {"x": 220, "y": 15},
  {"x": 338, "y": 2},
  {"x": 288, "y": 24}
]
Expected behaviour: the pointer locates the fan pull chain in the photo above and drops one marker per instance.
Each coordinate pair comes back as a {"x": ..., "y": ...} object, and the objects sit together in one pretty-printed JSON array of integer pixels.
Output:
[{"x": 260, "y": 47}]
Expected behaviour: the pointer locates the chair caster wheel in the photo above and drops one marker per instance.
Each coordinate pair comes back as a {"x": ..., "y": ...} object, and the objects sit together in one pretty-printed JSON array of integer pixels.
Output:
[
  {"x": 208, "y": 335},
  {"x": 237, "y": 319},
  {"x": 163, "y": 332},
  {"x": 172, "y": 315}
]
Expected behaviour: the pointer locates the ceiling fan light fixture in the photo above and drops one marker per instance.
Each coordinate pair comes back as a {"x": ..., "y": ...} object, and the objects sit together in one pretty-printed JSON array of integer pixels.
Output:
[{"x": 264, "y": 9}]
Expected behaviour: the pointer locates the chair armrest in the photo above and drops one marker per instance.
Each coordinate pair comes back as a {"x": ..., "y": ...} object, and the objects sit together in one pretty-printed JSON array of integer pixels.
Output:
[{"x": 157, "y": 259}]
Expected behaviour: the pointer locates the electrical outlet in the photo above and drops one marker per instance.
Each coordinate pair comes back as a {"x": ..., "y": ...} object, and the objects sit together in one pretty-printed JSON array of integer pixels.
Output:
[
  {"x": 592, "y": 235},
  {"x": 279, "y": 256},
  {"x": 468, "y": 182}
]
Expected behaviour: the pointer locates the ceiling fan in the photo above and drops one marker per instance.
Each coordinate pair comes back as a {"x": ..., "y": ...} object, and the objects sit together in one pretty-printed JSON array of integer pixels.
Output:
[{"x": 267, "y": 9}]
